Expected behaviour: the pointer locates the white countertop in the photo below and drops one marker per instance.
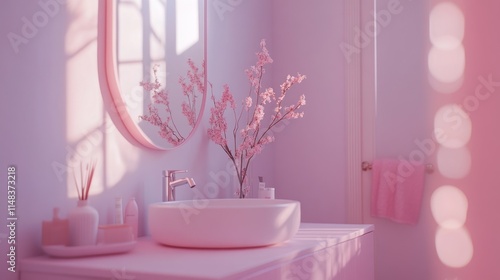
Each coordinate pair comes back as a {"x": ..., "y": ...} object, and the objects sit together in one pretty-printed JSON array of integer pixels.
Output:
[{"x": 150, "y": 260}]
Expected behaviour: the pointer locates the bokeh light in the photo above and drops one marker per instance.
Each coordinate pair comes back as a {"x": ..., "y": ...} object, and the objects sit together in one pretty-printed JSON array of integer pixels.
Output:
[
  {"x": 453, "y": 163},
  {"x": 447, "y": 65},
  {"x": 449, "y": 207},
  {"x": 454, "y": 247},
  {"x": 446, "y": 58},
  {"x": 452, "y": 126},
  {"x": 446, "y": 26}
]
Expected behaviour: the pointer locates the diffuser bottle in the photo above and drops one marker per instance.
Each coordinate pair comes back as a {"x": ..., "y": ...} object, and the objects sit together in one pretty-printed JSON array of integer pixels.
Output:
[{"x": 83, "y": 221}]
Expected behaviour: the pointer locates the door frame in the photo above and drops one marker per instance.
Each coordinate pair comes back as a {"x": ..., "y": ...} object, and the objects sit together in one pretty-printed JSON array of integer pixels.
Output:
[{"x": 360, "y": 29}]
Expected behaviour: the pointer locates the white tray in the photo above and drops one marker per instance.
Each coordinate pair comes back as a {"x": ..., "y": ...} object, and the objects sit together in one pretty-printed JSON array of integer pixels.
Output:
[{"x": 62, "y": 251}]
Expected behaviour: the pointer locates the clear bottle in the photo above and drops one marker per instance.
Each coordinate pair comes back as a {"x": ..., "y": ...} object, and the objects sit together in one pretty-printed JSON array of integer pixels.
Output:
[
  {"x": 132, "y": 216},
  {"x": 118, "y": 211}
]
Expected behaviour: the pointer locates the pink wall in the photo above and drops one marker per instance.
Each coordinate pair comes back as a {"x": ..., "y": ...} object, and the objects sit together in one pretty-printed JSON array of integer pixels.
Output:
[
  {"x": 310, "y": 162},
  {"x": 456, "y": 235}
]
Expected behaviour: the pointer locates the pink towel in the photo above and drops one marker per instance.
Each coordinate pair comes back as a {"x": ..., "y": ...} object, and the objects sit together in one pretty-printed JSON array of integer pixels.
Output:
[{"x": 397, "y": 188}]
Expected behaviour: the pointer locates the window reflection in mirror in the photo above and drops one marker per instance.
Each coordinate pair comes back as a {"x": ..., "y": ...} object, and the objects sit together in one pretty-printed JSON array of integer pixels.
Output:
[{"x": 161, "y": 35}]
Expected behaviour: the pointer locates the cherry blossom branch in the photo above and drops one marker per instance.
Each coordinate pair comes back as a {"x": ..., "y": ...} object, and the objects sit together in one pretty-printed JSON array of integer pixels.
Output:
[
  {"x": 250, "y": 140},
  {"x": 191, "y": 87}
]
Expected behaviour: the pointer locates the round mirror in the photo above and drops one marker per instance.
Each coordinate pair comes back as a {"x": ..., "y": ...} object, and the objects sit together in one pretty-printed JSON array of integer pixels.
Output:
[{"x": 155, "y": 67}]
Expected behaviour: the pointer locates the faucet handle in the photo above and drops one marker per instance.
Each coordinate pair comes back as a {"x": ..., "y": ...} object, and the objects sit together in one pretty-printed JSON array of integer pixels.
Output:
[{"x": 170, "y": 173}]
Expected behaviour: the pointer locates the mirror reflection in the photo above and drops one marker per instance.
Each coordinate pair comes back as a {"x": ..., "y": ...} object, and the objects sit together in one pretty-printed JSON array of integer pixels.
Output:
[{"x": 159, "y": 54}]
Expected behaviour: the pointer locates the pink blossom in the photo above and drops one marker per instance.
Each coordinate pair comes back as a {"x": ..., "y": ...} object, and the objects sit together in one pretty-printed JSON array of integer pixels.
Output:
[
  {"x": 196, "y": 77},
  {"x": 302, "y": 100},
  {"x": 267, "y": 95},
  {"x": 263, "y": 56},
  {"x": 257, "y": 117},
  {"x": 191, "y": 88},
  {"x": 217, "y": 121},
  {"x": 148, "y": 86},
  {"x": 248, "y": 103},
  {"x": 227, "y": 97},
  {"x": 189, "y": 113}
]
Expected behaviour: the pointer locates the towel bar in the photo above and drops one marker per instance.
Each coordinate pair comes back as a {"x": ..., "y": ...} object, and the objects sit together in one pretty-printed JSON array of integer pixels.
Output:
[{"x": 365, "y": 166}]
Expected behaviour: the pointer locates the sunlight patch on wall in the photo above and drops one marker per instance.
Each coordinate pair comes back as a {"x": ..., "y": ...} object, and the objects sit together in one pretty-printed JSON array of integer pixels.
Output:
[
  {"x": 120, "y": 160},
  {"x": 90, "y": 134},
  {"x": 84, "y": 104},
  {"x": 186, "y": 24}
]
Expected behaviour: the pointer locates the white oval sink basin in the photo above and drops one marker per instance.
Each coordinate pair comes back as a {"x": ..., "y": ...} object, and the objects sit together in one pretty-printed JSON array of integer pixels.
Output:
[{"x": 224, "y": 223}]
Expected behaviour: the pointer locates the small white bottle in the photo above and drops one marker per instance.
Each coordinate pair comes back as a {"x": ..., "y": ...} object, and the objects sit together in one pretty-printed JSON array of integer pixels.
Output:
[
  {"x": 268, "y": 193},
  {"x": 118, "y": 211},
  {"x": 262, "y": 187},
  {"x": 132, "y": 216}
]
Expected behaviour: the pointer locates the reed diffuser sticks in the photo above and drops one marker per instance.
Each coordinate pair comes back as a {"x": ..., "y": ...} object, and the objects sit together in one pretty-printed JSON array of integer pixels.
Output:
[{"x": 83, "y": 188}]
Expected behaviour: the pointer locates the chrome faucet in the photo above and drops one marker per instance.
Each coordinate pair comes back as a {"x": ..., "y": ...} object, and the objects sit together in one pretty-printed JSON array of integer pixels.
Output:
[{"x": 170, "y": 183}]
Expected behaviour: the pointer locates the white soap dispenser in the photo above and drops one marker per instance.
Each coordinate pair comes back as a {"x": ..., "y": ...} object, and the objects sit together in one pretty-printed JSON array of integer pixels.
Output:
[{"x": 132, "y": 216}]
